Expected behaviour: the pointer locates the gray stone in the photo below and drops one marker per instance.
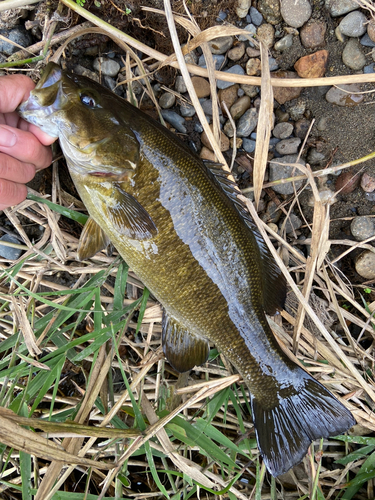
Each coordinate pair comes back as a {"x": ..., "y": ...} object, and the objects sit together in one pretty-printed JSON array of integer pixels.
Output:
[
  {"x": 292, "y": 223},
  {"x": 283, "y": 130},
  {"x": 284, "y": 43},
  {"x": 9, "y": 252},
  {"x": 273, "y": 64},
  {"x": 180, "y": 86},
  {"x": 270, "y": 10},
  {"x": 322, "y": 123},
  {"x": 368, "y": 69},
  {"x": 250, "y": 90},
  {"x": 228, "y": 129},
  {"x": 242, "y": 8},
  {"x": 366, "y": 41},
  {"x": 273, "y": 212},
  {"x": 17, "y": 35},
  {"x": 352, "y": 55},
  {"x": 342, "y": 96},
  {"x": 248, "y": 145},
  {"x": 221, "y": 16},
  {"x": 256, "y": 16},
  {"x": 252, "y": 31},
  {"x": 340, "y": 7},
  {"x": 353, "y": 24},
  {"x": 207, "y": 107},
  {"x": 187, "y": 109},
  {"x": 220, "y": 45},
  {"x": 174, "y": 119},
  {"x": 288, "y": 146},
  {"x": 240, "y": 106},
  {"x": 297, "y": 111},
  {"x": 237, "y": 70},
  {"x": 362, "y": 227},
  {"x": 218, "y": 61},
  {"x": 284, "y": 171},
  {"x": 109, "y": 82},
  {"x": 106, "y": 66},
  {"x": 167, "y": 100},
  {"x": 315, "y": 157},
  {"x": 365, "y": 265},
  {"x": 247, "y": 123},
  {"x": 295, "y": 13}
]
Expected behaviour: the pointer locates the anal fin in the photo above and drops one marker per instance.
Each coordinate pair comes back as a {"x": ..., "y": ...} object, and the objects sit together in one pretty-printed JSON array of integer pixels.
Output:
[
  {"x": 92, "y": 240},
  {"x": 183, "y": 349}
]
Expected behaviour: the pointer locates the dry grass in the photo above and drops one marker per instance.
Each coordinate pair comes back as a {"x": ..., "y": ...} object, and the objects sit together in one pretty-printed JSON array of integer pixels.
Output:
[{"x": 49, "y": 329}]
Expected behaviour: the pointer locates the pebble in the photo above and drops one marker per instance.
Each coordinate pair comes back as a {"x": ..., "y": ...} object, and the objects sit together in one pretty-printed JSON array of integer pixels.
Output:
[
  {"x": 201, "y": 86},
  {"x": 228, "y": 129},
  {"x": 237, "y": 70},
  {"x": 248, "y": 145},
  {"x": 256, "y": 16},
  {"x": 273, "y": 212},
  {"x": 285, "y": 94},
  {"x": 371, "y": 29},
  {"x": 107, "y": 67},
  {"x": 240, "y": 106},
  {"x": 270, "y": 9},
  {"x": 273, "y": 64},
  {"x": 368, "y": 183},
  {"x": 217, "y": 58},
  {"x": 312, "y": 65},
  {"x": 242, "y": 8},
  {"x": 362, "y": 227},
  {"x": 368, "y": 69},
  {"x": 247, "y": 123},
  {"x": 281, "y": 115},
  {"x": 167, "y": 100},
  {"x": 190, "y": 57},
  {"x": 187, "y": 110},
  {"x": 340, "y": 7},
  {"x": 342, "y": 97},
  {"x": 174, "y": 119},
  {"x": 298, "y": 109},
  {"x": 236, "y": 52},
  {"x": 347, "y": 182},
  {"x": 322, "y": 123},
  {"x": 110, "y": 83},
  {"x": 224, "y": 141},
  {"x": 284, "y": 171},
  {"x": 266, "y": 34},
  {"x": 252, "y": 30},
  {"x": 250, "y": 90},
  {"x": 9, "y": 252},
  {"x": 314, "y": 156},
  {"x": 293, "y": 222},
  {"x": 288, "y": 146},
  {"x": 284, "y": 43},
  {"x": 283, "y": 130},
  {"x": 239, "y": 142},
  {"x": 17, "y": 35},
  {"x": 81, "y": 70},
  {"x": 221, "y": 16},
  {"x": 207, "y": 154},
  {"x": 220, "y": 45},
  {"x": 253, "y": 66},
  {"x": 366, "y": 41},
  {"x": 352, "y": 55},
  {"x": 301, "y": 127},
  {"x": 294, "y": 13},
  {"x": 354, "y": 24},
  {"x": 365, "y": 265},
  {"x": 229, "y": 96},
  {"x": 180, "y": 86},
  {"x": 312, "y": 34}
]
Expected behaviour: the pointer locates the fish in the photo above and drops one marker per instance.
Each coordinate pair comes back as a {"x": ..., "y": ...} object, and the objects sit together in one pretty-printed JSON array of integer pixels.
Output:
[{"x": 178, "y": 223}]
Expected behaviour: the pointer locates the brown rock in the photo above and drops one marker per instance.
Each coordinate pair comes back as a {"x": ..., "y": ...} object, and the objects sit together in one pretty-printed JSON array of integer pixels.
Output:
[
  {"x": 236, "y": 52},
  {"x": 201, "y": 86},
  {"x": 313, "y": 65},
  {"x": 365, "y": 265},
  {"x": 240, "y": 106},
  {"x": 284, "y": 94},
  {"x": 229, "y": 96},
  {"x": 253, "y": 67},
  {"x": 347, "y": 182},
  {"x": 266, "y": 34},
  {"x": 251, "y": 52},
  {"x": 368, "y": 183},
  {"x": 312, "y": 34},
  {"x": 239, "y": 142},
  {"x": 371, "y": 29},
  {"x": 224, "y": 141},
  {"x": 207, "y": 154}
]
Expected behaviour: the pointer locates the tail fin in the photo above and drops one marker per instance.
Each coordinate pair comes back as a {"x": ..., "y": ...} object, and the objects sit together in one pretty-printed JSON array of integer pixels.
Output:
[{"x": 285, "y": 432}]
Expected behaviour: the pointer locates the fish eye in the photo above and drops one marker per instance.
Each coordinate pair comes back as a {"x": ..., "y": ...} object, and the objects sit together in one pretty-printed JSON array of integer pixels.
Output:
[{"x": 88, "y": 100}]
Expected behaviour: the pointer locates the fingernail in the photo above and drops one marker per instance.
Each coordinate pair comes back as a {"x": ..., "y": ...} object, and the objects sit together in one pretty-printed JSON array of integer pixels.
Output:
[{"x": 7, "y": 138}]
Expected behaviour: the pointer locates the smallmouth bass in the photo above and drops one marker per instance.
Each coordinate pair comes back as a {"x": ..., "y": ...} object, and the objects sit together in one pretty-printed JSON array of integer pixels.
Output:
[{"x": 178, "y": 224}]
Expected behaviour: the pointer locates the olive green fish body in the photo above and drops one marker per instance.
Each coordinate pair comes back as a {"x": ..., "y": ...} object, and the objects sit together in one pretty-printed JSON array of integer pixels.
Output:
[{"x": 178, "y": 224}]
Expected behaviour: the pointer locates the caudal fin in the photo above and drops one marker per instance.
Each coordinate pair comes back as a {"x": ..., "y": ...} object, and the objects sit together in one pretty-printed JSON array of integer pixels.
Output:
[{"x": 285, "y": 432}]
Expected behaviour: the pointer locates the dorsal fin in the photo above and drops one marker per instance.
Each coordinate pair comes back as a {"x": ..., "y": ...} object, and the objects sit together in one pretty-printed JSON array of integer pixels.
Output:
[{"x": 274, "y": 283}]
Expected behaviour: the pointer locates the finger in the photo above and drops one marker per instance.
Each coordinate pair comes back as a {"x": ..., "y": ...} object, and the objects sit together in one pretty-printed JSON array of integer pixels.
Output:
[
  {"x": 14, "y": 89},
  {"x": 24, "y": 146},
  {"x": 11, "y": 193},
  {"x": 14, "y": 170},
  {"x": 15, "y": 121}
]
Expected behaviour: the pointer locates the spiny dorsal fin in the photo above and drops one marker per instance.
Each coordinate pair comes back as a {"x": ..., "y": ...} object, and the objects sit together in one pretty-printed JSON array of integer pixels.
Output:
[
  {"x": 92, "y": 240},
  {"x": 274, "y": 283},
  {"x": 183, "y": 349},
  {"x": 128, "y": 216}
]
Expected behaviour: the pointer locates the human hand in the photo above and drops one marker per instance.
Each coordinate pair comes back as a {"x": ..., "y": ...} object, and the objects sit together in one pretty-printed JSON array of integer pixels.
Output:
[{"x": 23, "y": 147}]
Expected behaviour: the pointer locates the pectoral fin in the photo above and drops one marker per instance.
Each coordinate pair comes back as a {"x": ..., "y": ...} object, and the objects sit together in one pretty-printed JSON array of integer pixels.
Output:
[
  {"x": 129, "y": 217},
  {"x": 92, "y": 240},
  {"x": 183, "y": 349}
]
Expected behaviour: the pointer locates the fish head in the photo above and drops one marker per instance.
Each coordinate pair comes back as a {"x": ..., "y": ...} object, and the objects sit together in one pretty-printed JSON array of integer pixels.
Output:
[{"x": 95, "y": 136}]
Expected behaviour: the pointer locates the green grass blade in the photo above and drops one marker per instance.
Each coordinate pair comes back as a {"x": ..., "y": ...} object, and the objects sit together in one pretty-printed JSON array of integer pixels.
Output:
[{"x": 67, "y": 212}]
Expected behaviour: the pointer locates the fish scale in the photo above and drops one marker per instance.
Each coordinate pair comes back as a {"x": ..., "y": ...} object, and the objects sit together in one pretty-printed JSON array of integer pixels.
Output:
[{"x": 178, "y": 224}]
